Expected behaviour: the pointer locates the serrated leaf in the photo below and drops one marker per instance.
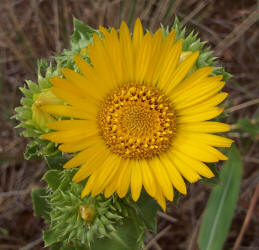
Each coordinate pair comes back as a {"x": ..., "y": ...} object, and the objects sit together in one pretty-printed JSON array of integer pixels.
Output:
[
  {"x": 126, "y": 238},
  {"x": 221, "y": 204},
  {"x": 40, "y": 205},
  {"x": 53, "y": 178},
  {"x": 147, "y": 210},
  {"x": 56, "y": 162},
  {"x": 49, "y": 237},
  {"x": 82, "y": 35}
]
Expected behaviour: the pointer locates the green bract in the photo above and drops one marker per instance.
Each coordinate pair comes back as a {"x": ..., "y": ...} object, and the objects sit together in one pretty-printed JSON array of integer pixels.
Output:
[{"x": 75, "y": 221}]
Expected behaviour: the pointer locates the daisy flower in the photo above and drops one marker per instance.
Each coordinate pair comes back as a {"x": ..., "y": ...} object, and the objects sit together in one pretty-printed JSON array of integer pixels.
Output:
[{"x": 138, "y": 115}]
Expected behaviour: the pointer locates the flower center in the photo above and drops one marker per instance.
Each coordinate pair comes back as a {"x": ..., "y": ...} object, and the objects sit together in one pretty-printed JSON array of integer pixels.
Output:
[{"x": 137, "y": 121}]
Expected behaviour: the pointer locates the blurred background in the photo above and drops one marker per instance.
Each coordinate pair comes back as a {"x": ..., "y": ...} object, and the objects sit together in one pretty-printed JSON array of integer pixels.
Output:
[{"x": 34, "y": 29}]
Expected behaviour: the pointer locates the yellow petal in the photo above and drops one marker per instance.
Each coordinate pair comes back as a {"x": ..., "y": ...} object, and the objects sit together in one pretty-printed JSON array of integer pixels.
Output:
[
  {"x": 137, "y": 35},
  {"x": 181, "y": 71},
  {"x": 161, "y": 176},
  {"x": 143, "y": 57},
  {"x": 87, "y": 88},
  {"x": 81, "y": 144},
  {"x": 112, "y": 46},
  {"x": 127, "y": 53},
  {"x": 66, "y": 111},
  {"x": 93, "y": 163},
  {"x": 204, "y": 127},
  {"x": 68, "y": 135},
  {"x": 212, "y": 140},
  {"x": 207, "y": 88},
  {"x": 198, "y": 150},
  {"x": 101, "y": 62},
  {"x": 66, "y": 85},
  {"x": 174, "y": 175},
  {"x": 83, "y": 156},
  {"x": 165, "y": 48},
  {"x": 161, "y": 201},
  {"x": 169, "y": 66},
  {"x": 188, "y": 173},
  {"x": 89, "y": 184},
  {"x": 94, "y": 85},
  {"x": 201, "y": 152},
  {"x": 124, "y": 178},
  {"x": 148, "y": 178},
  {"x": 106, "y": 174},
  {"x": 154, "y": 57},
  {"x": 136, "y": 181},
  {"x": 76, "y": 101},
  {"x": 193, "y": 80},
  {"x": 196, "y": 165},
  {"x": 71, "y": 124},
  {"x": 204, "y": 116},
  {"x": 203, "y": 106}
]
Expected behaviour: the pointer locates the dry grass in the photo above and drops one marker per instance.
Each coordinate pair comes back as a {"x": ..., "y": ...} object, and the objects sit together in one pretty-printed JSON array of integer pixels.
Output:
[{"x": 32, "y": 29}]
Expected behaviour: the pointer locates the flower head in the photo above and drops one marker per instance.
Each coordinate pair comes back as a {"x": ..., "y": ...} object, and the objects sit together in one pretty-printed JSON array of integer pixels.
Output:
[{"x": 140, "y": 115}]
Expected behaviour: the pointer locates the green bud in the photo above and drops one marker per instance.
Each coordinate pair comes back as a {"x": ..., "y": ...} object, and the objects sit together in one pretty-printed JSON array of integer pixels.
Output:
[
  {"x": 77, "y": 221},
  {"x": 87, "y": 212}
]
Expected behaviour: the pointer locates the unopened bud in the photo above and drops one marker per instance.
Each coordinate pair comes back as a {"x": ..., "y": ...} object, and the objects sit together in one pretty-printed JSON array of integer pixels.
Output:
[{"x": 40, "y": 117}]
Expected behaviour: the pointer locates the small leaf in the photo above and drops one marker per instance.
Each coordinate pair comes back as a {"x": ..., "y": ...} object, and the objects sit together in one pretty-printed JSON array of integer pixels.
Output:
[
  {"x": 40, "y": 205},
  {"x": 3, "y": 231},
  {"x": 126, "y": 238},
  {"x": 147, "y": 210},
  {"x": 53, "y": 178},
  {"x": 49, "y": 237},
  {"x": 82, "y": 35},
  {"x": 221, "y": 204},
  {"x": 56, "y": 162}
]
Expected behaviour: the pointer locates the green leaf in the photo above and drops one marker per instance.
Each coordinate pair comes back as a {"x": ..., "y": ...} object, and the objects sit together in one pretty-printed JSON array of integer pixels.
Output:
[
  {"x": 247, "y": 126},
  {"x": 53, "y": 178},
  {"x": 56, "y": 162},
  {"x": 49, "y": 237},
  {"x": 221, "y": 204},
  {"x": 147, "y": 209},
  {"x": 3, "y": 231},
  {"x": 127, "y": 237},
  {"x": 82, "y": 35},
  {"x": 40, "y": 205}
]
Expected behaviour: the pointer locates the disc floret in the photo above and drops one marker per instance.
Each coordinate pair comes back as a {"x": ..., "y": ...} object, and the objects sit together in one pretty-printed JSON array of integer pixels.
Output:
[{"x": 137, "y": 121}]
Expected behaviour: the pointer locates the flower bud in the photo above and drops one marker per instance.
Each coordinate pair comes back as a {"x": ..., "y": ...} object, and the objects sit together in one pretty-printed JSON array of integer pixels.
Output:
[{"x": 46, "y": 97}]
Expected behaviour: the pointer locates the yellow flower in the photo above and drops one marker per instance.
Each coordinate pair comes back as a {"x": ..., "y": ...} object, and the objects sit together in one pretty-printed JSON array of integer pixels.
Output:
[{"x": 139, "y": 120}]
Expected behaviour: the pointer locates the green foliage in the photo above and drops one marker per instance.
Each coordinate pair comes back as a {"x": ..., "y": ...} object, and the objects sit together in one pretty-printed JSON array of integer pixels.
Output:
[
  {"x": 147, "y": 210},
  {"x": 38, "y": 149},
  {"x": 127, "y": 237},
  {"x": 221, "y": 205},
  {"x": 68, "y": 226},
  {"x": 40, "y": 204},
  {"x": 80, "y": 40}
]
